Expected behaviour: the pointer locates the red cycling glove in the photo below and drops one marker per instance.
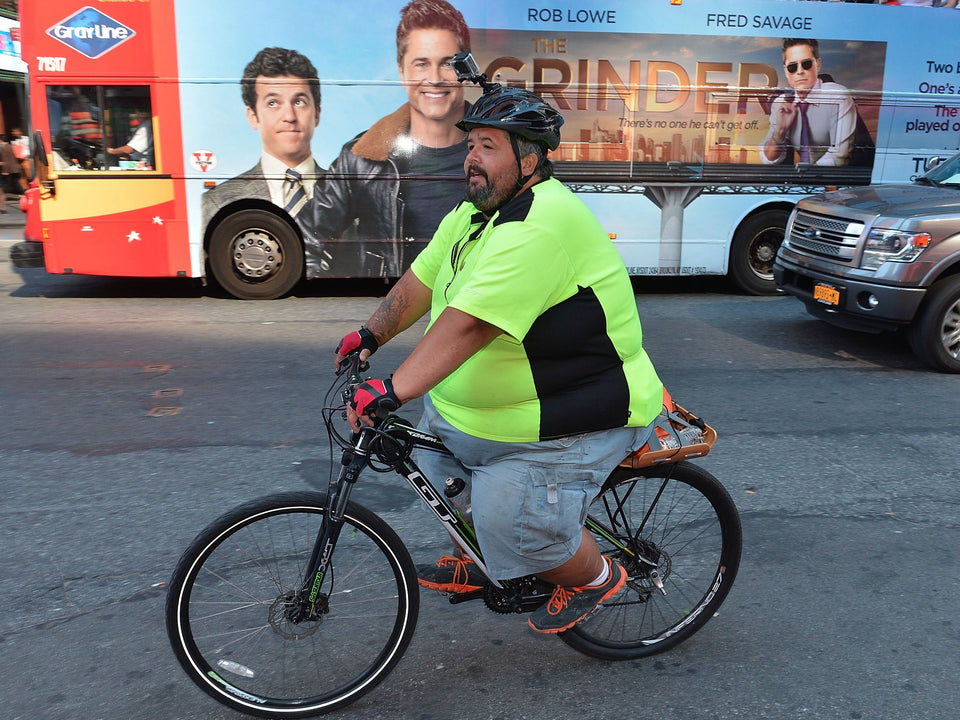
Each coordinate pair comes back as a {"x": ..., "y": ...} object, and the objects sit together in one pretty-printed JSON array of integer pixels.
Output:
[
  {"x": 375, "y": 398},
  {"x": 361, "y": 339}
]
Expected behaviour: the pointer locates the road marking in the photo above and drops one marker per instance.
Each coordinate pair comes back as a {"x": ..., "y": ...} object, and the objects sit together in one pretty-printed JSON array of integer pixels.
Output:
[{"x": 163, "y": 411}]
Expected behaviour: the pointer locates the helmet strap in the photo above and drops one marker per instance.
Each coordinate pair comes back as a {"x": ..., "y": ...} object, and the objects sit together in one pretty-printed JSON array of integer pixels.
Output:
[{"x": 521, "y": 178}]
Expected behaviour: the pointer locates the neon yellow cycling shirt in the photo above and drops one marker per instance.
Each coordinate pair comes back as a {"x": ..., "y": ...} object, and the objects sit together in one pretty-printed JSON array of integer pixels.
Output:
[{"x": 571, "y": 357}]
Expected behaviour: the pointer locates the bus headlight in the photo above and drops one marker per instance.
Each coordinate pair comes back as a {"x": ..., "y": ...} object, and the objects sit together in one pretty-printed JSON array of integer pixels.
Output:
[{"x": 892, "y": 246}]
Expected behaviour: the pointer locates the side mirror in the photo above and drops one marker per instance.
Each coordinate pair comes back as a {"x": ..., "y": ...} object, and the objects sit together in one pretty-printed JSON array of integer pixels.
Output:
[
  {"x": 931, "y": 163},
  {"x": 41, "y": 165}
]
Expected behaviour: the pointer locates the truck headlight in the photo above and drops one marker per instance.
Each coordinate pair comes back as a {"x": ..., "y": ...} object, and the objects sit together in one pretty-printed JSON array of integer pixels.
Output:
[{"x": 892, "y": 246}]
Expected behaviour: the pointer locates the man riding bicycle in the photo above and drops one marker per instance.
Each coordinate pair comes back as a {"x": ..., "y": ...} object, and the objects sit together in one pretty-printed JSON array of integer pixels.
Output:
[{"x": 532, "y": 368}]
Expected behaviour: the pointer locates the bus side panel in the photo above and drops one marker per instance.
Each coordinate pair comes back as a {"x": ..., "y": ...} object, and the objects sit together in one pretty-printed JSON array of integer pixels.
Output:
[{"x": 100, "y": 221}]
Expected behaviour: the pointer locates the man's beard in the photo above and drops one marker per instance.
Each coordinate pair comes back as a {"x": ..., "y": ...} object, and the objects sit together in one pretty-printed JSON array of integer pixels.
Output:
[{"x": 488, "y": 196}]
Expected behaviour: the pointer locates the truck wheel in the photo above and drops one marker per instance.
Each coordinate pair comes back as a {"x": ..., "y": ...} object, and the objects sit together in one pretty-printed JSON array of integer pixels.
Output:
[
  {"x": 935, "y": 331},
  {"x": 255, "y": 255},
  {"x": 753, "y": 250}
]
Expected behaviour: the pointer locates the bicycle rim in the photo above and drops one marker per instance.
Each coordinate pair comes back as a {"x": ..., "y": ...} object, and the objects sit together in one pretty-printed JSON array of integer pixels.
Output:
[
  {"x": 681, "y": 542},
  {"x": 228, "y": 618}
]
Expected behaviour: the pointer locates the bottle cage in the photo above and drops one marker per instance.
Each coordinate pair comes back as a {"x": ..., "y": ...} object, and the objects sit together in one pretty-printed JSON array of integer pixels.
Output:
[{"x": 670, "y": 423}]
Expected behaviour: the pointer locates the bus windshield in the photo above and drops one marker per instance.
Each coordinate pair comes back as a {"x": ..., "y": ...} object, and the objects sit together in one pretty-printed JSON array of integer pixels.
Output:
[{"x": 100, "y": 127}]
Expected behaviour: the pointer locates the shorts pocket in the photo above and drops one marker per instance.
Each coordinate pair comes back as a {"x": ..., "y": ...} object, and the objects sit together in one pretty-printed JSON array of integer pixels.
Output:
[{"x": 552, "y": 515}]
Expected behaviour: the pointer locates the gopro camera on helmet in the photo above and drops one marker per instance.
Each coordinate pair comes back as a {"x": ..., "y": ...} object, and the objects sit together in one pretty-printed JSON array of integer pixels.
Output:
[{"x": 466, "y": 68}]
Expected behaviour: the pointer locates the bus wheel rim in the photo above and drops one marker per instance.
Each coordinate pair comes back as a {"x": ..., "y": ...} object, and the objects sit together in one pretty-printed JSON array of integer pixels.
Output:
[{"x": 256, "y": 254}]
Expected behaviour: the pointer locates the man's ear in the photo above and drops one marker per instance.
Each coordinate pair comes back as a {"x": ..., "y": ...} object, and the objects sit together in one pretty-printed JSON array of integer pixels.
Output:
[
  {"x": 252, "y": 118},
  {"x": 528, "y": 164}
]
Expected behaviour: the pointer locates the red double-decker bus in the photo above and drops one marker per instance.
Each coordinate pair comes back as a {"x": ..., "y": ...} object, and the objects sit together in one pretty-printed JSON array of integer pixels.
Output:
[{"x": 151, "y": 160}]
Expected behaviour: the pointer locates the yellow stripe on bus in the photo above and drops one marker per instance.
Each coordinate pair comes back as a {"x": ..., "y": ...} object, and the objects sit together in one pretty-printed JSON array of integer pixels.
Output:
[{"x": 83, "y": 198}]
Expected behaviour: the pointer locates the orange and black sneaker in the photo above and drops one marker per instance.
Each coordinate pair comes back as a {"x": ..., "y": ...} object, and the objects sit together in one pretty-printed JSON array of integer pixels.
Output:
[
  {"x": 452, "y": 575},
  {"x": 569, "y": 605}
]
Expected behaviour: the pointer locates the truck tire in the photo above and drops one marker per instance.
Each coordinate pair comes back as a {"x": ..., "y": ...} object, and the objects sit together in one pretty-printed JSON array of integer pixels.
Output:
[
  {"x": 255, "y": 255},
  {"x": 754, "y": 248},
  {"x": 935, "y": 332}
]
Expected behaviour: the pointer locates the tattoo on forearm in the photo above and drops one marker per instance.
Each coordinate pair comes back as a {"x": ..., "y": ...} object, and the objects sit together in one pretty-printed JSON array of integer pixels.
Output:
[{"x": 388, "y": 319}]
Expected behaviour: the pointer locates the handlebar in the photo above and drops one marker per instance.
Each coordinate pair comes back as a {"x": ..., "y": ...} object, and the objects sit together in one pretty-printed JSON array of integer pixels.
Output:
[
  {"x": 379, "y": 442},
  {"x": 352, "y": 366}
]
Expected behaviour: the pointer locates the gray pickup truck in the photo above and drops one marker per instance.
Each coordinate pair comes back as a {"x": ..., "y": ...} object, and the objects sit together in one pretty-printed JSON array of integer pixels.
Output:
[{"x": 882, "y": 257}]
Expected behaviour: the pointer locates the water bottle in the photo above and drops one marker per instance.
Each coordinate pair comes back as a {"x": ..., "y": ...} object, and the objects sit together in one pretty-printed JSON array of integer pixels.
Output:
[
  {"x": 688, "y": 436},
  {"x": 458, "y": 493},
  {"x": 668, "y": 441},
  {"x": 691, "y": 435}
]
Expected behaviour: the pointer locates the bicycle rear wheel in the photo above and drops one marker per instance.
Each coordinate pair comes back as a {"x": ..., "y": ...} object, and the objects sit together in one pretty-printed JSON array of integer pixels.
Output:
[
  {"x": 682, "y": 539},
  {"x": 230, "y": 622}
]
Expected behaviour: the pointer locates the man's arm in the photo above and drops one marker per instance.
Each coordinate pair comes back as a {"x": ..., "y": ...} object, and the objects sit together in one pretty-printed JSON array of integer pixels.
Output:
[
  {"x": 137, "y": 143},
  {"x": 453, "y": 339},
  {"x": 783, "y": 114},
  {"x": 406, "y": 303}
]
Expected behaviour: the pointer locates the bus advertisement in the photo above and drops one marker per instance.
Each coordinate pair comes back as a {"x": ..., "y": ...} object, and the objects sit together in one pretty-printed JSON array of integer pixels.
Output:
[{"x": 257, "y": 148}]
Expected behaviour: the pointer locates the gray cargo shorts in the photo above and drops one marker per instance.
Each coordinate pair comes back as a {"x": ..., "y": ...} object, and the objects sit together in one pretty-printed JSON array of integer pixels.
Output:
[{"x": 529, "y": 500}]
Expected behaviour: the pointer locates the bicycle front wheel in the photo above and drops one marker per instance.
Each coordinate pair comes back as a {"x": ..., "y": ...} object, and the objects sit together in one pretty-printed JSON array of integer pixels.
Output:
[
  {"x": 677, "y": 533},
  {"x": 233, "y": 625}
]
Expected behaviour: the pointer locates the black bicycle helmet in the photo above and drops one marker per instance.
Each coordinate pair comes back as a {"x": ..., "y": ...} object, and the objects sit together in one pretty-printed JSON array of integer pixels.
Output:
[{"x": 517, "y": 111}]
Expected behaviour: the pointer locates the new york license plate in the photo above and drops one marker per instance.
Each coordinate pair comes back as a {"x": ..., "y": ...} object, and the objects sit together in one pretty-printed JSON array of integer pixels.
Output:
[{"x": 826, "y": 294}]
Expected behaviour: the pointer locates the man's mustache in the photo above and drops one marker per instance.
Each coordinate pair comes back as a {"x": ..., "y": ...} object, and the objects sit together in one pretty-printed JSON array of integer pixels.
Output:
[{"x": 478, "y": 170}]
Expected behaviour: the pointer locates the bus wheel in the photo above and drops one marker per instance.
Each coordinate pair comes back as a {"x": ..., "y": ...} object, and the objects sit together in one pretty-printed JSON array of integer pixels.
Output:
[
  {"x": 753, "y": 250},
  {"x": 255, "y": 255}
]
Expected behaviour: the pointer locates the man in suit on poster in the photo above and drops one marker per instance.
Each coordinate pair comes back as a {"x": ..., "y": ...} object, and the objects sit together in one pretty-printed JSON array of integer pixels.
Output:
[
  {"x": 281, "y": 91},
  {"x": 815, "y": 122}
]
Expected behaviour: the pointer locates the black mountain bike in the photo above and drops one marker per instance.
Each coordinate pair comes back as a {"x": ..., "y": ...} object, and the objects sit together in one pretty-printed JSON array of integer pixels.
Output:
[{"x": 299, "y": 603}]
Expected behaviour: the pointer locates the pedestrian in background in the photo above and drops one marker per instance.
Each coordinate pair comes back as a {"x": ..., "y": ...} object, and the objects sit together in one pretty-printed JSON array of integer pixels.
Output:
[
  {"x": 22, "y": 152},
  {"x": 10, "y": 169}
]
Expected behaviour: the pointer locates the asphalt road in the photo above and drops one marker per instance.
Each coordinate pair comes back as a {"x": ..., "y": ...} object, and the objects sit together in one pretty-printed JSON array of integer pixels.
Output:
[{"x": 136, "y": 411}]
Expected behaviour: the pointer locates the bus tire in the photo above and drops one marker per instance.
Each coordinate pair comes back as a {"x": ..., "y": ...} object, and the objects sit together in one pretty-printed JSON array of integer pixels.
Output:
[
  {"x": 255, "y": 255},
  {"x": 753, "y": 250}
]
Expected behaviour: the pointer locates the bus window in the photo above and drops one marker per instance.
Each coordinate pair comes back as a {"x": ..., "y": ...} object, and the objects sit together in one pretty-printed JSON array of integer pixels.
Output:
[{"x": 101, "y": 127}]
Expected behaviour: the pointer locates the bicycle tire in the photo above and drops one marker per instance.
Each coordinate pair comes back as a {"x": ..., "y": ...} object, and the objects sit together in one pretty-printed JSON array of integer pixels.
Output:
[
  {"x": 692, "y": 531},
  {"x": 225, "y": 619}
]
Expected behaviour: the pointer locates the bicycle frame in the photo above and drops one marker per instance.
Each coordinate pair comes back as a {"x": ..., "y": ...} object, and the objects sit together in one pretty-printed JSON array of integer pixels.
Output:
[{"x": 397, "y": 432}]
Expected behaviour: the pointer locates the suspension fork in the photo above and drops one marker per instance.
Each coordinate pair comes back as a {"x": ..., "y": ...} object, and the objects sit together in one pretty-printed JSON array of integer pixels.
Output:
[{"x": 338, "y": 495}]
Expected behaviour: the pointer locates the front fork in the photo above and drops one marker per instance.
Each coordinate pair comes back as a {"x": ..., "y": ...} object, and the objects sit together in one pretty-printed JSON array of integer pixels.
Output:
[{"x": 311, "y": 603}]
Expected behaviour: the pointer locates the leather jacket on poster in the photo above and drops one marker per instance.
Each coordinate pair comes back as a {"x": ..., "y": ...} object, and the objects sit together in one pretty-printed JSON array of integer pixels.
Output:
[{"x": 360, "y": 198}]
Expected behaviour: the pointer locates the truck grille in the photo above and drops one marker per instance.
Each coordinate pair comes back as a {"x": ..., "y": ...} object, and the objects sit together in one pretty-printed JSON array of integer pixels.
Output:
[{"x": 825, "y": 237}]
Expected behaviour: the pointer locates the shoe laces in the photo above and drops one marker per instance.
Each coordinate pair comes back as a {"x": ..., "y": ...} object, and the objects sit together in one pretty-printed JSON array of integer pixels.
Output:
[
  {"x": 461, "y": 574},
  {"x": 558, "y": 601}
]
